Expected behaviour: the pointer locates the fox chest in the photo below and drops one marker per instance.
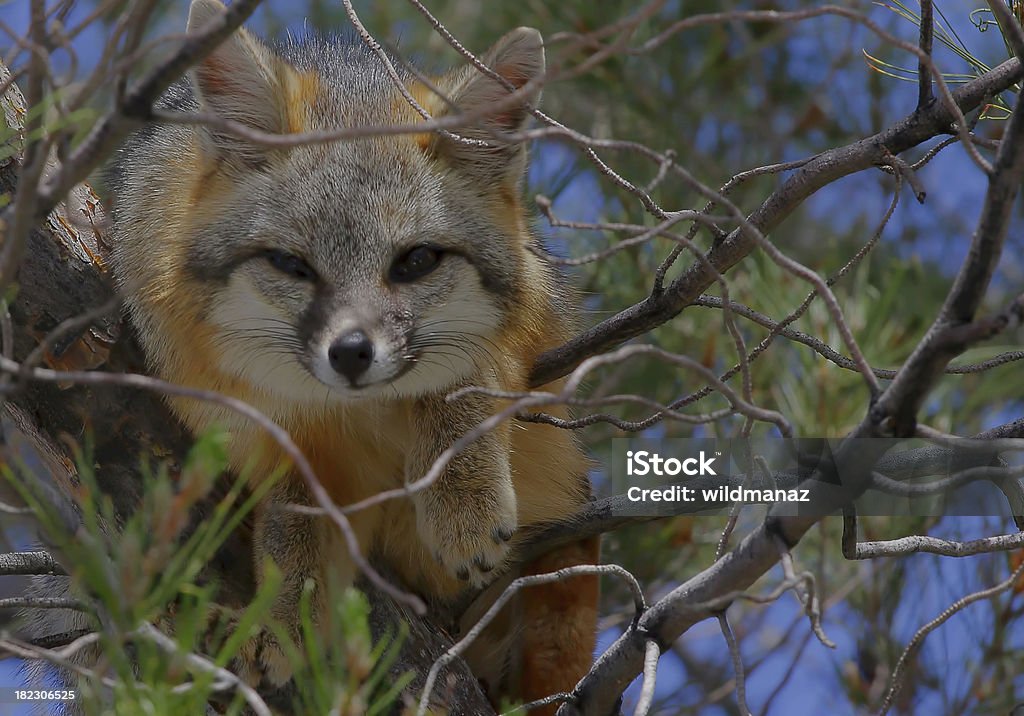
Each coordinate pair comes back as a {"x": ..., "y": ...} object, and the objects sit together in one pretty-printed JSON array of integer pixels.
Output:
[{"x": 350, "y": 461}]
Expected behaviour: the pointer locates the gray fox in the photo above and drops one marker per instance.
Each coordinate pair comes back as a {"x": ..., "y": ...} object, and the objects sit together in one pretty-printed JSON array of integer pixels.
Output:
[{"x": 344, "y": 289}]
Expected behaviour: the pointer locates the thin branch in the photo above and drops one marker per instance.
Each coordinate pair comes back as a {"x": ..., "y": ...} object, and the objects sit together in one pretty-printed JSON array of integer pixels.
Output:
[
  {"x": 29, "y": 563},
  {"x": 61, "y": 657},
  {"x": 945, "y": 338},
  {"x": 924, "y": 75},
  {"x": 830, "y": 354},
  {"x": 44, "y": 603},
  {"x": 896, "y": 682},
  {"x": 203, "y": 665},
  {"x": 69, "y": 326},
  {"x": 7, "y": 509},
  {"x": 652, "y": 653},
  {"x": 659, "y": 276},
  {"x": 805, "y": 591},
  {"x": 137, "y": 105},
  {"x": 737, "y": 664},
  {"x": 546, "y": 701},
  {"x": 64, "y": 639},
  {"x": 934, "y": 545},
  {"x": 938, "y": 487}
]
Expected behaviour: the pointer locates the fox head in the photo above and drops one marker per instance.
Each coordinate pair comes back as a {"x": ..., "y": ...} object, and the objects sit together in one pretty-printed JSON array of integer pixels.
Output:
[{"x": 380, "y": 266}]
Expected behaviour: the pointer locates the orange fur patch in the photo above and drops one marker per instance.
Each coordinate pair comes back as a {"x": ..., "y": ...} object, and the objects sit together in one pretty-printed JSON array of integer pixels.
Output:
[
  {"x": 213, "y": 76},
  {"x": 428, "y": 100},
  {"x": 560, "y": 624},
  {"x": 301, "y": 90}
]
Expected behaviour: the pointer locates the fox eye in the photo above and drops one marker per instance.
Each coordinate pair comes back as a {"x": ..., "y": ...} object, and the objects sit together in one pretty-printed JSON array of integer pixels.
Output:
[
  {"x": 290, "y": 264},
  {"x": 415, "y": 264}
]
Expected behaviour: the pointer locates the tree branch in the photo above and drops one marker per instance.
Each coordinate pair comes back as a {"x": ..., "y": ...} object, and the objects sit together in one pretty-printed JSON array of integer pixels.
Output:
[
  {"x": 28, "y": 563},
  {"x": 824, "y": 169},
  {"x": 675, "y": 613},
  {"x": 944, "y": 339}
]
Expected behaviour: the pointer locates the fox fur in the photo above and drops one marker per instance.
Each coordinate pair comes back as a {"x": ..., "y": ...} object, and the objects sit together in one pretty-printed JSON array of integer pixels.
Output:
[{"x": 344, "y": 289}]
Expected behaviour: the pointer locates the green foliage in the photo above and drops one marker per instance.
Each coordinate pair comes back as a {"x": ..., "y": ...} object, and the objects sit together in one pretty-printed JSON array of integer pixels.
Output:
[
  {"x": 948, "y": 37},
  {"x": 362, "y": 686},
  {"x": 150, "y": 570}
]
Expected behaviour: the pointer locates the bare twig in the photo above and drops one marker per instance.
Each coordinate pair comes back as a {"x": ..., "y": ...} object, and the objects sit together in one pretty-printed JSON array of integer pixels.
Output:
[
  {"x": 737, "y": 664},
  {"x": 896, "y": 681},
  {"x": 25, "y": 563},
  {"x": 934, "y": 545},
  {"x": 805, "y": 592},
  {"x": 61, "y": 656},
  {"x": 924, "y": 75},
  {"x": 961, "y": 478},
  {"x": 203, "y": 665},
  {"x": 941, "y": 343},
  {"x": 827, "y": 352},
  {"x": 546, "y": 701},
  {"x": 71, "y": 325},
  {"x": 652, "y": 653},
  {"x": 136, "y": 105}
]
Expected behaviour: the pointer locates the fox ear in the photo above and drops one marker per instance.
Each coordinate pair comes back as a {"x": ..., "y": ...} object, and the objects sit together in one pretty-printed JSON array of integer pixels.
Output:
[
  {"x": 241, "y": 80},
  {"x": 518, "y": 57}
]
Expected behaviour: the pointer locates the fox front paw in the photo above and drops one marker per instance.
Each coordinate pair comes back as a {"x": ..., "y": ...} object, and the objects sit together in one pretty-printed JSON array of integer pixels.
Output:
[
  {"x": 262, "y": 662},
  {"x": 470, "y": 539}
]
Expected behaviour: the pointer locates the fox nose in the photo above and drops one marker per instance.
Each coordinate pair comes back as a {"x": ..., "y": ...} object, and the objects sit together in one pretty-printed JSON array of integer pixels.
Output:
[{"x": 351, "y": 354}]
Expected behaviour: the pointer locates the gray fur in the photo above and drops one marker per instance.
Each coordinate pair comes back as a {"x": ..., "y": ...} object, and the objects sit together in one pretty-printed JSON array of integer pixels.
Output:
[{"x": 332, "y": 205}]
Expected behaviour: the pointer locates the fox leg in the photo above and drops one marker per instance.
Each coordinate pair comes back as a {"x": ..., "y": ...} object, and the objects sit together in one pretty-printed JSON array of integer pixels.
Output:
[
  {"x": 467, "y": 517},
  {"x": 559, "y": 624},
  {"x": 294, "y": 542}
]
